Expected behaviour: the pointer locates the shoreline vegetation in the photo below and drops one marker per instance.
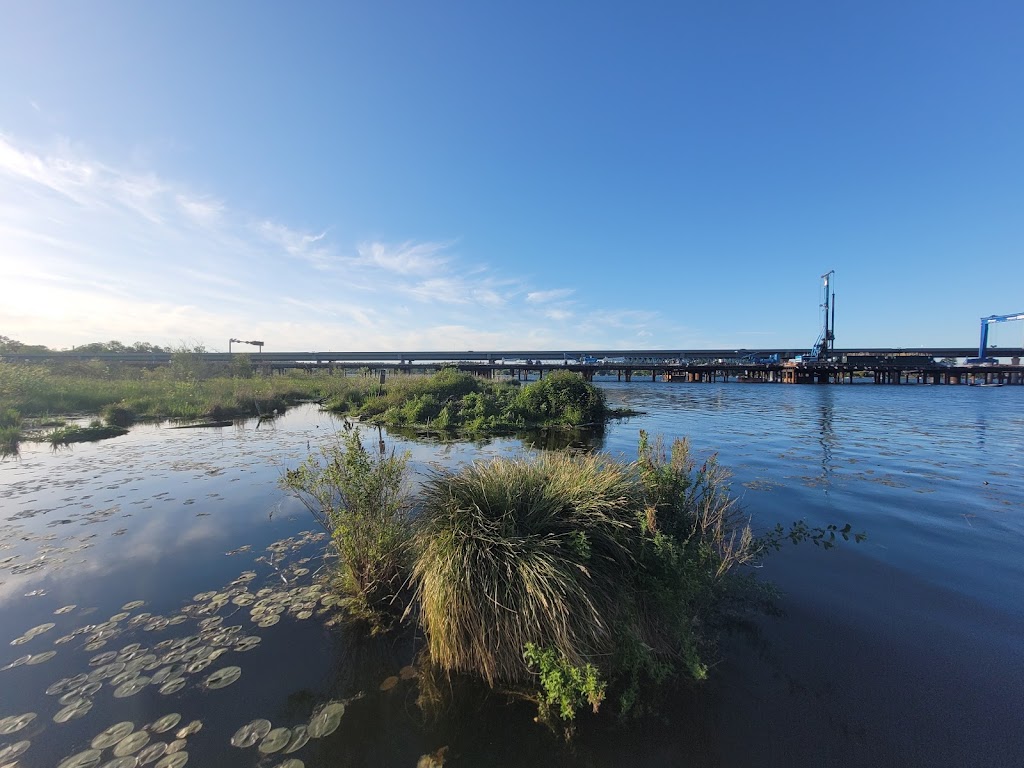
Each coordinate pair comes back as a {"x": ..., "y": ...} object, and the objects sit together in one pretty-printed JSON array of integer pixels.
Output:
[
  {"x": 573, "y": 580},
  {"x": 448, "y": 403}
]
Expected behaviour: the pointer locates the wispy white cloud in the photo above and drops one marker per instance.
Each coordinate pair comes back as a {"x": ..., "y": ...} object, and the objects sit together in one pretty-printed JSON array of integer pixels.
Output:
[
  {"x": 408, "y": 258},
  {"x": 557, "y": 314},
  {"x": 543, "y": 297},
  {"x": 90, "y": 251}
]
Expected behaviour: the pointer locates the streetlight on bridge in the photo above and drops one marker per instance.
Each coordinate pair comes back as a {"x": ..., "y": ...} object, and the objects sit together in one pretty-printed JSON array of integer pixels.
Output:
[{"x": 240, "y": 341}]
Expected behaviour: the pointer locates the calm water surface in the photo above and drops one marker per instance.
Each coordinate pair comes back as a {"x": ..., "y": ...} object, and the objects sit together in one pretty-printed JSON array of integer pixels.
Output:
[{"x": 907, "y": 649}]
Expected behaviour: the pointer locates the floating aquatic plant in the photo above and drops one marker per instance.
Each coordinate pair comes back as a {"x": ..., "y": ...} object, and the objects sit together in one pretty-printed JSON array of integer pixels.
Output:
[
  {"x": 165, "y": 723},
  {"x": 13, "y": 751},
  {"x": 131, "y": 744},
  {"x": 111, "y": 735},
  {"x": 275, "y": 740},
  {"x": 85, "y": 759},
  {"x": 15, "y": 723},
  {"x": 250, "y": 733},
  {"x": 223, "y": 677}
]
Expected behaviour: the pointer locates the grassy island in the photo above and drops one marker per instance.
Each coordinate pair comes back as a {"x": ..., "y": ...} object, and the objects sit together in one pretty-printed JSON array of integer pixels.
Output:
[
  {"x": 451, "y": 401},
  {"x": 575, "y": 580}
]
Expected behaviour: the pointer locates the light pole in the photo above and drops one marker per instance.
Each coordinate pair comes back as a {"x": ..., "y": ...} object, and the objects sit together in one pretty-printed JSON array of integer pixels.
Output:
[{"x": 240, "y": 341}]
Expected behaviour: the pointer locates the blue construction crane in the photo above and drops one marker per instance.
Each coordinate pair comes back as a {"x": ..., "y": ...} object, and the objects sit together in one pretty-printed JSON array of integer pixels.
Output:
[{"x": 983, "y": 343}]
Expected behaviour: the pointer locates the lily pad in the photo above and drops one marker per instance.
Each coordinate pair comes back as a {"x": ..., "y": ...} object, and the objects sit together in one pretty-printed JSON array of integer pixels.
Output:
[
  {"x": 39, "y": 658},
  {"x": 86, "y": 759},
  {"x": 15, "y": 723},
  {"x": 176, "y": 746},
  {"x": 247, "y": 643},
  {"x": 73, "y": 712},
  {"x": 300, "y": 737},
  {"x": 165, "y": 723},
  {"x": 123, "y": 677},
  {"x": 131, "y": 687},
  {"x": 275, "y": 741},
  {"x": 128, "y": 761},
  {"x": 110, "y": 736},
  {"x": 173, "y": 685},
  {"x": 131, "y": 744},
  {"x": 194, "y": 727},
  {"x": 17, "y": 662},
  {"x": 14, "y": 750},
  {"x": 389, "y": 683},
  {"x": 174, "y": 760},
  {"x": 250, "y": 733},
  {"x": 133, "y": 605},
  {"x": 152, "y": 752},
  {"x": 40, "y": 629},
  {"x": 223, "y": 677},
  {"x": 291, "y": 763},
  {"x": 65, "y": 609},
  {"x": 326, "y": 720}
]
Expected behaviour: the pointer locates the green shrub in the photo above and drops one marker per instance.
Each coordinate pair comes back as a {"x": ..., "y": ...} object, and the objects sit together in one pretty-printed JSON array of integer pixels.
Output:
[
  {"x": 564, "y": 688},
  {"x": 563, "y": 397},
  {"x": 119, "y": 415},
  {"x": 362, "y": 502}
]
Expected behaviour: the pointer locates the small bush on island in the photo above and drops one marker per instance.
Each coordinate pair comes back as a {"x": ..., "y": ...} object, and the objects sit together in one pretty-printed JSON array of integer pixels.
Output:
[
  {"x": 362, "y": 501},
  {"x": 458, "y": 402},
  {"x": 568, "y": 578}
]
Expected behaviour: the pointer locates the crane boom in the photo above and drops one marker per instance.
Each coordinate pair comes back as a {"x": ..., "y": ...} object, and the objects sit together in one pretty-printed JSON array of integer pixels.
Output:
[{"x": 983, "y": 342}]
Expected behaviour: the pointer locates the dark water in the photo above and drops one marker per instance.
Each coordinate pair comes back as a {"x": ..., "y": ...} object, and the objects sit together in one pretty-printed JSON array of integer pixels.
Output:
[{"x": 907, "y": 649}]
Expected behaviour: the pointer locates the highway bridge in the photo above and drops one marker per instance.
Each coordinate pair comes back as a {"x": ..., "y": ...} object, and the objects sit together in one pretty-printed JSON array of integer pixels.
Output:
[
  {"x": 889, "y": 365},
  {"x": 548, "y": 356}
]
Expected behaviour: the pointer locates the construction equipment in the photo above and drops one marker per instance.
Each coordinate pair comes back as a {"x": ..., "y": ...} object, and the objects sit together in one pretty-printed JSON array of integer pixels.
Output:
[
  {"x": 983, "y": 342},
  {"x": 823, "y": 347}
]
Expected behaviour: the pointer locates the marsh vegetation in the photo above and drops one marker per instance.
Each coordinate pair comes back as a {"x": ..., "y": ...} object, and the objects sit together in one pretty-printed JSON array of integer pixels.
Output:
[
  {"x": 567, "y": 578},
  {"x": 189, "y": 388}
]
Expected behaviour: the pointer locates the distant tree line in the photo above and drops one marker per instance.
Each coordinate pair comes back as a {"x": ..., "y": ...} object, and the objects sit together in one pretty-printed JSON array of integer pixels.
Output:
[{"x": 8, "y": 344}]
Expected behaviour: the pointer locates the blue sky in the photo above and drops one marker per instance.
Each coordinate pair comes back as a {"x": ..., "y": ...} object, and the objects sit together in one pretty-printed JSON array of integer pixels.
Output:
[{"x": 480, "y": 175}]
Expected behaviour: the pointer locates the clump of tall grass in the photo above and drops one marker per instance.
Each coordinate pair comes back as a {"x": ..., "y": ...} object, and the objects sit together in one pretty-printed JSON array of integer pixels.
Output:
[
  {"x": 10, "y": 431},
  {"x": 571, "y": 571},
  {"x": 515, "y": 552},
  {"x": 361, "y": 499}
]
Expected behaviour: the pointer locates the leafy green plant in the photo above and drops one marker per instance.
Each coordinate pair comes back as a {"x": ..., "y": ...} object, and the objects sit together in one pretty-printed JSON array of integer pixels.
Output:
[
  {"x": 564, "y": 687},
  {"x": 362, "y": 501}
]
